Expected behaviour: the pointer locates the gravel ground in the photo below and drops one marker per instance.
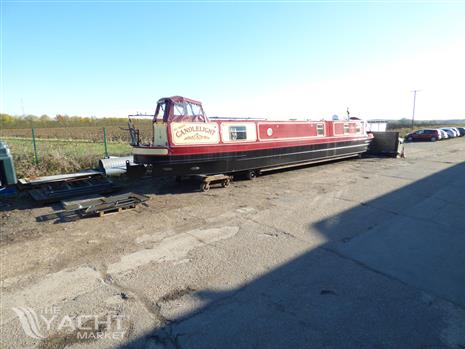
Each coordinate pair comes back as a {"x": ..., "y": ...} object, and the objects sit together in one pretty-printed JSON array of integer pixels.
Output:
[{"x": 363, "y": 253}]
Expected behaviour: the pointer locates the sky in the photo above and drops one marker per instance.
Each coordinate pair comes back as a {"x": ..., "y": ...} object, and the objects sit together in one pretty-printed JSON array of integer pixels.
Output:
[{"x": 279, "y": 59}]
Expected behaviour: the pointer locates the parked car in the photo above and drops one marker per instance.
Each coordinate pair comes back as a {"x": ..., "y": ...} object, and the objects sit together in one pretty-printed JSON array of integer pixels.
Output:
[
  {"x": 451, "y": 133},
  {"x": 423, "y": 135},
  {"x": 461, "y": 130},
  {"x": 456, "y": 131},
  {"x": 443, "y": 134}
]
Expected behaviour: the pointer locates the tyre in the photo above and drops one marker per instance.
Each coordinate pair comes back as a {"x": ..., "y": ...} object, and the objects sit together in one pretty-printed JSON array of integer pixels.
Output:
[
  {"x": 433, "y": 139},
  {"x": 205, "y": 186},
  {"x": 225, "y": 183},
  {"x": 409, "y": 139},
  {"x": 250, "y": 175}
]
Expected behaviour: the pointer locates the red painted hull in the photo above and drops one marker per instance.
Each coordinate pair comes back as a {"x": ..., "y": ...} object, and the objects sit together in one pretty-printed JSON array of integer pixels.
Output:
[{"x": 287, "y": 144}]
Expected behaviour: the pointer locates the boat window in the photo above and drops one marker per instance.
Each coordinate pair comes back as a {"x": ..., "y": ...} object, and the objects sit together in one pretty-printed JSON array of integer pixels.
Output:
[
  {"x": 180, "y": 109},
  {"x": 237, "y": 133},
  {"x": 160, "y": 111},
  {"x": 320, "y": 130},
  {"x": 358, "y": 129},
  {"x": 195, "y": 109},
  {"x": 346, "y": 128},
  {"x": 187, "y": 112}
]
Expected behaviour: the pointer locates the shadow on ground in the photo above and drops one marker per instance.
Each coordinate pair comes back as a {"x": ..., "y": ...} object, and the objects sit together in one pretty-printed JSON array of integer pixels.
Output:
[
  {"x": 390, "y": 275},
  {"x": 148, "y": 185}
]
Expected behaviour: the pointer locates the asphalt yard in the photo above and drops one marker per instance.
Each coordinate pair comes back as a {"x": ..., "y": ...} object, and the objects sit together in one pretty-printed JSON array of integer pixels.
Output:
[{"x": 362, "y": 253}]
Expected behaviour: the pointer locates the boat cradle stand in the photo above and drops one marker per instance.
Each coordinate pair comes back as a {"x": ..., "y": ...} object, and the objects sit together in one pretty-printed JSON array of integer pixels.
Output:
[{"x": 206, "y": 181}]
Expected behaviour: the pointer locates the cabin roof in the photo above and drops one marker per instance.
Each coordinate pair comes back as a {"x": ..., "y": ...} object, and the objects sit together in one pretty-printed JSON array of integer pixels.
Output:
[{"x": 180, "y": 99}]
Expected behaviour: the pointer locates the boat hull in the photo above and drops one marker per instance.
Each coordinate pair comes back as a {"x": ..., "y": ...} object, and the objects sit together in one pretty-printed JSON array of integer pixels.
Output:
[{"x": 260, "y": 159}]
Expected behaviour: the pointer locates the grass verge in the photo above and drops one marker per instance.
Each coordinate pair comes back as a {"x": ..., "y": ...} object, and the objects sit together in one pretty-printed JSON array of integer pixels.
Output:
[{"x": 59, "y": 156}]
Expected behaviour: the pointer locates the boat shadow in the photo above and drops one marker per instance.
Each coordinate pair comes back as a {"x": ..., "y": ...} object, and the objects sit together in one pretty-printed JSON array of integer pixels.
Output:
[
  {"x": 147, "y": 185},
  {"x": 168, "y": 185},
  {"x": 387, "y": 276}
]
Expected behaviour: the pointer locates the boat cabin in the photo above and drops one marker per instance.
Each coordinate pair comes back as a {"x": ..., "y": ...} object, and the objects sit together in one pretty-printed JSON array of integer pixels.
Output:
[
  {"x": 185, "y": 141},
  {"x": 180, "y": 121}
]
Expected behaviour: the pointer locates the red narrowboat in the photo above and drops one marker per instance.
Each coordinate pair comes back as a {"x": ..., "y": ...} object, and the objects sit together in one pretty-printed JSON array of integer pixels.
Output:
[{"x": 186, "y": 142}]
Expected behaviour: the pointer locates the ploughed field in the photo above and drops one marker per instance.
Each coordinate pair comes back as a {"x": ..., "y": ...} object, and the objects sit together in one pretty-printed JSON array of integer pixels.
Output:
[{"x": 115, "y": 132}]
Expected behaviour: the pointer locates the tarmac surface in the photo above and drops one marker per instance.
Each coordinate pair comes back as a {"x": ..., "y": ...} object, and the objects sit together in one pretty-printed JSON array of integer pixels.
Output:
[{"x": 362, "y": 253}]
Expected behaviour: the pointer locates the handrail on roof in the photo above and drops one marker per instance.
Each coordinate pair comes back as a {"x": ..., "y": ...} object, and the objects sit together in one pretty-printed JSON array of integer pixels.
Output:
[{"x": 151, "y": 115}]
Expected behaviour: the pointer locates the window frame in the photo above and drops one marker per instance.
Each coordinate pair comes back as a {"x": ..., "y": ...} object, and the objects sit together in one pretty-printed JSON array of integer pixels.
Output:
[
  {"x": 346, "y": 126},
  {"x": 243, "y": 132},
  {"x": 163, "y": 107}
]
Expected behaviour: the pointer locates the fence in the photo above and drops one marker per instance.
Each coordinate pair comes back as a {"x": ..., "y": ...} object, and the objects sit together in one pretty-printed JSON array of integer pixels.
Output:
[
  {"x": 48, "y": 143},
  {"x": 45, "y": 151},
  {"x": 43, "y": 139}
]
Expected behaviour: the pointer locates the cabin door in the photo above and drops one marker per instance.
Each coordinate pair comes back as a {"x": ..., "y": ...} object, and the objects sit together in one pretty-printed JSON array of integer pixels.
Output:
[{"x": 160, "y": 134}]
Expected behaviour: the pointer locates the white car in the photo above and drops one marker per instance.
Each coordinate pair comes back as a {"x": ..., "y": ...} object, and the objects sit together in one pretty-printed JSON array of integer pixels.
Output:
[
  {"x": 443, "y": 134},
  {"x": 450, "y": 132},
  {"x": 456, "y": 131}
]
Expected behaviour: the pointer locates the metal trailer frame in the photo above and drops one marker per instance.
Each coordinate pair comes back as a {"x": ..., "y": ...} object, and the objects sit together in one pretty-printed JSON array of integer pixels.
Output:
[{"x": 96, "y": 207}]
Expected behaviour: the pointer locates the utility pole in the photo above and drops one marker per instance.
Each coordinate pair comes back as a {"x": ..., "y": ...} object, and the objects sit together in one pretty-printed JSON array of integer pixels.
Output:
[
  {"x": 22, "y": 107},
  {"x": 414, "y": 100}
]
